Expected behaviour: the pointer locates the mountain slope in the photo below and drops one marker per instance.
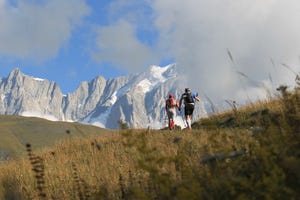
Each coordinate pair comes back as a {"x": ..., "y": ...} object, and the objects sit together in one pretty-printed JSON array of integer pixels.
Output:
[
  {"x": 136, "y": 99},
  {"x": 17, "y": 131}
]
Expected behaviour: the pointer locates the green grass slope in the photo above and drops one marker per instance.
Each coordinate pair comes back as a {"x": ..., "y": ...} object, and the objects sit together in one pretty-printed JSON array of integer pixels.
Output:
[{"x": 17, "y": 131}]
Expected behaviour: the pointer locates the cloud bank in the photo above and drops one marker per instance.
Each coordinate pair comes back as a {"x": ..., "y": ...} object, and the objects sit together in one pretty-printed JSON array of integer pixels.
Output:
[
  {"x": 118, "y": 45},
  {"x": 126, "y": 40},
  {"x": 37, "y": 30},
  {"x": 201, "y": 34},
  {"x": 227, "y": 49}
]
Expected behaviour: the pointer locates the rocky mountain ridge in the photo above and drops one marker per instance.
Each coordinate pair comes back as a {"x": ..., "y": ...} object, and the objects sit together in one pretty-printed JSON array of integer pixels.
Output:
[{"x": 136, "y": 99}]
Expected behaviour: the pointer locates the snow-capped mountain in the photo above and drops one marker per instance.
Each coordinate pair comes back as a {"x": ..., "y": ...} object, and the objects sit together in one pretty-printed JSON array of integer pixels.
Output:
[{"x": 137, "y": 99}]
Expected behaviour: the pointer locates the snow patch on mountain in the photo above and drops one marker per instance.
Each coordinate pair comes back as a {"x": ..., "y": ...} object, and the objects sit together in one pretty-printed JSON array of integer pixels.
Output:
[
  {"x": 38, "y": 79},
  {"x": 113, "y": 99},
  {"x": 17, "y": 70},
  {"x": 146, "y": 85},
  {"x": 38, "y": 114},
  {"x": 2, "y": 97},
  {"x": 153, "y": 77},
  {"x": 100, "y": 120},
  {"x": 157, "y": 72}
]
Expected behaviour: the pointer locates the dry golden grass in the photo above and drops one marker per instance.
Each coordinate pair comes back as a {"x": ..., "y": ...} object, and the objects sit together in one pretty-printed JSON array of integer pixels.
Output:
[{"x": 100, "y": 161}]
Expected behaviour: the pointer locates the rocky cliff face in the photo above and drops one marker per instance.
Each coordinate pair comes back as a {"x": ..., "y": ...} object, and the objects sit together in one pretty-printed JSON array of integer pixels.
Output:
[
  {"x": 20, "y": 94},
  {"x": 136, "y": 99}
]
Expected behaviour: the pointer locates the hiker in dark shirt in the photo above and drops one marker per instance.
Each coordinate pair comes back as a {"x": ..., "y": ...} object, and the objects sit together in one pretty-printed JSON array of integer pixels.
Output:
[{"x": 189, "y": 100}]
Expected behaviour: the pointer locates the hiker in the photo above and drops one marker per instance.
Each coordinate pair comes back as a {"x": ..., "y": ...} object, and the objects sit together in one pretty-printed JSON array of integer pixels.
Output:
[
  {"x": 189, "y": 99},
  {"x": 171, "y": 105}
]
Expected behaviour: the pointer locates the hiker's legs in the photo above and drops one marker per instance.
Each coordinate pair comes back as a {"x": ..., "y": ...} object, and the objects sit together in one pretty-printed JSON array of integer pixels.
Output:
[
  {"x": 171, "y": 115},
  {"x": 172, "y": 124},
  {"x": 169, "y": 123},
  {"x": 188, "y": 121},
  {"x": 189, "y": 108}
]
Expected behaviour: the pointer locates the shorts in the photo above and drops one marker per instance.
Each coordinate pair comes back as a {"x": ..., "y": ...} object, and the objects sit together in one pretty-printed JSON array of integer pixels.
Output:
[
  {"x": 171, "y": 112},
  {"x": 189, "y": 109}
]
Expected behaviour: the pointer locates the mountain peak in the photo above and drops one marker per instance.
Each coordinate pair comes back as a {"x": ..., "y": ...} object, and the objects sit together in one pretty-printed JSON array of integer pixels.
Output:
[
  {"x": 156, "y": 68},
  {"x": 15, "y": 73},
  {"x": 161, "y": 73}
]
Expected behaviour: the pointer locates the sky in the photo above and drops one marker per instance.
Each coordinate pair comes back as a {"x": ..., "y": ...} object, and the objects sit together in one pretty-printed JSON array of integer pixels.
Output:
[{"x": 228, "y": 49}]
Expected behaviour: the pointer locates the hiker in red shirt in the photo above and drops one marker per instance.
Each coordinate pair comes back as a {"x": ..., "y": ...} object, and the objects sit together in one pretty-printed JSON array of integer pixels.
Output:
[{"x": 171, "y": 105}]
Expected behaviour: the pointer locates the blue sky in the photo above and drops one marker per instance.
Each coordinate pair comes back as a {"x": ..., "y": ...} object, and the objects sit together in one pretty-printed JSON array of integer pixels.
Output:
[
  {"x": 72, "y": 41},
  {"x": 73, "y": 57}
]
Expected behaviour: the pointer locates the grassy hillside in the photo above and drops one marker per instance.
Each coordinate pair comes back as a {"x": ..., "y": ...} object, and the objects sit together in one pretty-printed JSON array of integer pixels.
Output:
[
  {"x": 249, "y": 153},
  {"x": 16, "y": 131}
]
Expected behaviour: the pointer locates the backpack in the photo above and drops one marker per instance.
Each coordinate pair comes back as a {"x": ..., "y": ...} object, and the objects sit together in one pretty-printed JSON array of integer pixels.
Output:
[{"x": 188, "y": 98}]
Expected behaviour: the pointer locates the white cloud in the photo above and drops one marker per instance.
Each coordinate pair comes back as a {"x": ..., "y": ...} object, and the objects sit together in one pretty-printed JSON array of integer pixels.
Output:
[
  {"x": 119, "y": 45},
  {"x": 252, "y": 94},
  {"x": 37, "y": 31},
  {"x": 199, "y": 32}
]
